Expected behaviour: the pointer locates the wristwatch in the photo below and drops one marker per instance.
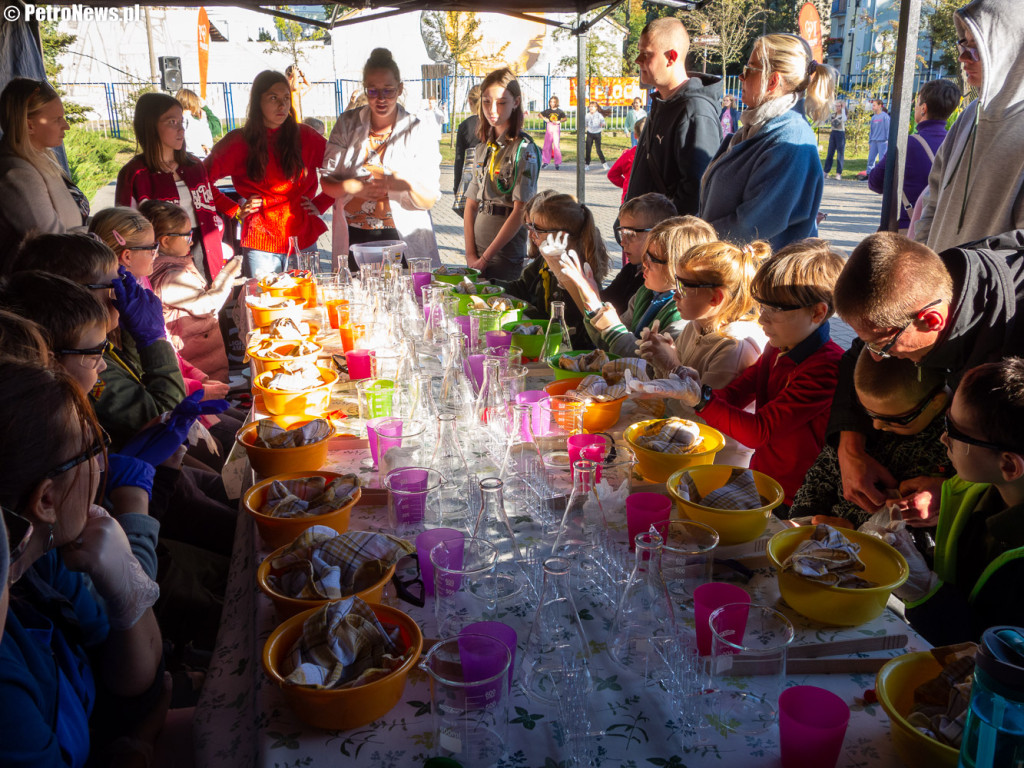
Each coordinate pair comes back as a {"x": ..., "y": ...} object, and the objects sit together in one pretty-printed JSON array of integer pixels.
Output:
[{"x": 705, "y": 398}]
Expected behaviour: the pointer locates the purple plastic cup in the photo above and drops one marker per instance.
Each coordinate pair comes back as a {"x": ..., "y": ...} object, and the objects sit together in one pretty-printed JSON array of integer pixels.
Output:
[
  {"x": 707, "y": 598},
  {"x": 419, "y": 281},
  {"x": 499, "y": 631},
  {"x": 501, "y": 339},
  {"x": 475, "y": 370},
  {"x": 644, "y": 510},
  {"x": 448, "y": 553},
  {"x": 532, "y": 398},
  {"x": 463, "y": 322},
  {"x": 425, "y": 542},
  {"x": 383, "y": 433},
  {"x": 812, "y": 724},
  {"x": 485, "y": 660},
  {"x": 409, "y": 487}
]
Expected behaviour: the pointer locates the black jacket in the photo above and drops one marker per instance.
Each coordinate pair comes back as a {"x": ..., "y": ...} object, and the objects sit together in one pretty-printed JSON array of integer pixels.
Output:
[
  {"x": 985, "y": 321},
  {"x": 681, "y": 136},
  {"x": 465, "y": 140}
]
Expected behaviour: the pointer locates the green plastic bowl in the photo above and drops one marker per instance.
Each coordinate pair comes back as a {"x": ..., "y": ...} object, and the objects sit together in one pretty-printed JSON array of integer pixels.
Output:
[
  {"x": 562, "y": 373},
  {"x": 472, "y": 274},
  {"x": 464, "y": 301},
  {"x": 531, "y": 345}
]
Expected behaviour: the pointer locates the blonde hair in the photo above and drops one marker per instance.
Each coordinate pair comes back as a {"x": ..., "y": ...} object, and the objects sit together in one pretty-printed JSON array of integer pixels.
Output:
[
  {"x": 21, "y": 98},
  {"x": 677, "y": 235},
  {"x": 790, "y": 56},
  {"x": 729, "y": 267},
  {"x": 565, "y": 213},
  {"x": 650, "y": 205},
  {"x": 126, "y": 223},
  {"x": 803, "y": 273},
  {"x": 189, "y": 101},
  {"x": 473, "y": 98}
]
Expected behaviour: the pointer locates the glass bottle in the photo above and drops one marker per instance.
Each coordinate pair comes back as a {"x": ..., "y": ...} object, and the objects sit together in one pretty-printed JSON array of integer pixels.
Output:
[
  {"x": 291, "y": 259},
  {"x": 577, "y": 534},
  {"x": 644, "y": 617},
  {"x": 556, "y": 647},
  {"x": 456, "y": 390},
  {"x": 552, "y": 343},
  {"x": 492, "y": 524},
  {"x": 490, "y": 411},
  {"x": 456, "y": 480}
]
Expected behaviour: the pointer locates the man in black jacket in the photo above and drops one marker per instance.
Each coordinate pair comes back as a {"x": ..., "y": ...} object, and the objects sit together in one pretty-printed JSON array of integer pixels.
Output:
[
  {"x": 683, "y": 131},
  {"x": 949, "y": 312}
]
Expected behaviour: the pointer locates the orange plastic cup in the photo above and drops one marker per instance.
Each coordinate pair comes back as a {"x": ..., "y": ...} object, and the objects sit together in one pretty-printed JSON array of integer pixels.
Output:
[{"x": 332, "y": 310}]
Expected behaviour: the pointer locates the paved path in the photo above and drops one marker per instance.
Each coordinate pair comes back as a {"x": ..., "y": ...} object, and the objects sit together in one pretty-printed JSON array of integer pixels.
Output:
[{"x": 853, "y": 213}]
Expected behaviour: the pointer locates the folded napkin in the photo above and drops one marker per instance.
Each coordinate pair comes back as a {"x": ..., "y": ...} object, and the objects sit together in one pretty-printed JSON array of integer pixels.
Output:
[
  {"x": 447, "y": 270},
  {"x": 940, "y": 704},
  {"x": 308, "y": 496},
  {"x": 671, "y": 436},
  {"x": 595, "y": 387},
  {"x": 615, "y": 371},
  {"x": 270, "y": 435},
  {"x": 282, "y": 280},
  {"x": 590, "y": 361},
  {"x": 344, "y": 645},
  {"x": 686, "y": 390},
  {"x": 829, "y": 558},
  {"x": 292, "y": 377},
  {"x": 739, "y": 492},
  {"x": 323, "y": 564},
  {"x": 268, "y": 302},
  {"x": 283, "y": 349},
  {"x": 497, "y": 303},
  {"x": 527, "y": 330}
]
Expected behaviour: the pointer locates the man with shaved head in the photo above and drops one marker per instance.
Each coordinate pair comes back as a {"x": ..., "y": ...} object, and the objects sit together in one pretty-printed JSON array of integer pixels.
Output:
[{"x": 683, "y": 130}]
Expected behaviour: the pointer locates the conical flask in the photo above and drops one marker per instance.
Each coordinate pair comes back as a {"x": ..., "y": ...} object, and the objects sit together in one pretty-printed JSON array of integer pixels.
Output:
[
  {"x": 644, "y": 617},
  {"x": 456, "y": 395},
  {"x": 556, "y": 646},
  {"x": 492, "y": 524},
  {"x": 455, "y": 493},
  {"x": 490, "y": 411},
  {"x": 556, "y": 325},
  {"x": 578, "y": 532}
]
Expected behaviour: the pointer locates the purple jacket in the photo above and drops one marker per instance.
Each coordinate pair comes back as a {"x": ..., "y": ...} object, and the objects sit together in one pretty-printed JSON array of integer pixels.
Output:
[{"x": 917, "y": 168}]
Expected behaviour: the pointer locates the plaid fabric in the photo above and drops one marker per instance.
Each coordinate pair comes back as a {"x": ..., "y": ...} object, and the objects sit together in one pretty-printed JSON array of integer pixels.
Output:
[
  {"x": 828, "y": 557},
  {"x": 739, "y": 492},
  {"x": 270, "y": 435},
  {"x": 613, "y": 370},
  {"x": 940, "y": 704},
  {"x": 671, "y": 436},
  {"x": 308, "y": 496},
  {"x": 320, "y": 563},
  {"x": 342, "y": 646}
]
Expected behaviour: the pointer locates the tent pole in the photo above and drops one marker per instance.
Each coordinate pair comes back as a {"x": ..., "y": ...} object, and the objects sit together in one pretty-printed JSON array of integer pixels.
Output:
[
  {"x": 581, "y": 109},
  {"x": 900, "y": 102}
]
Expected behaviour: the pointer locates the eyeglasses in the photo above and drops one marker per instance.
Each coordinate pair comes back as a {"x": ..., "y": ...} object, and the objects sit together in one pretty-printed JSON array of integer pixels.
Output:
[
  {"x": 381, "y": 93},
  {"x": 628, "y": 233},
  {"x": 152, "y": 247},
  {"x": 772, "y": 307},
  {"x": 909, "y": 416},
  {"x": 90, "y": 357},
  {"x": 654, "y": 259},
  {"x": 106, "y": 287},
  {"x": 19, "y": 531},
  {"x": 883, "y": 351},
  {"x": 747, "y": 69},
  {"x": 954, "y": 433},
  {"x": 174, "y": 124},
  {"x": 179, "y": 234},
  {"x": 101, "y": 444},
  {"x": 684, "y": 286},
  {"x": 538, "y": 231},
  {"x": 971, "y": 51}
]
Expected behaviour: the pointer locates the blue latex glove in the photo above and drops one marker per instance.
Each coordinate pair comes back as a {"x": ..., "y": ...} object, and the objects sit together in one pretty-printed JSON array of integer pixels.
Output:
[
  {"x": 157, "y": 443},
  {"x": 142, "y": 314},
  {"x": 128, "y": 471}
]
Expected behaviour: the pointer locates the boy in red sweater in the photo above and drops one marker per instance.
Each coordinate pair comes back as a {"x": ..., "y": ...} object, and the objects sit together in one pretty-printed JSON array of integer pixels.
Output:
[{"x": 791, "y": 384}]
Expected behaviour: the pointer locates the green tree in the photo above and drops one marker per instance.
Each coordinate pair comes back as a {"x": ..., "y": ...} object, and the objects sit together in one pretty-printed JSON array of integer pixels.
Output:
[
  {"x": 56, "y": 43},
  {"x": 938, "y": 23},
  {"x": 290, "y": 36},
  {"x": 734, "y": 23},
  {"x": 603, "y": 58}
]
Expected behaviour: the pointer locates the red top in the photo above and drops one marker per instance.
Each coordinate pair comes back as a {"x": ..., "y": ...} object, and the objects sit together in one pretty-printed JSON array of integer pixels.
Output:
[
  {"x": 618, "y": 174},
  {"x": 792, "y": 396},
  {"x": 282, "y": 214}
]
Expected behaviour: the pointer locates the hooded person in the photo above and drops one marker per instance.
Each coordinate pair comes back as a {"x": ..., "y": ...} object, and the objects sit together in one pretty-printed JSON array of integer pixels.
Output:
[{"x": 976, "y": 185}]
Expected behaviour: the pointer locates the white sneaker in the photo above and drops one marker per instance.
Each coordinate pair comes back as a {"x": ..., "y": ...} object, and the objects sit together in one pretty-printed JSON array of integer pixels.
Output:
[
  {"x": 587, "y": 168},
  {"x": 604, "y": 166},
  {"x": 839, "y": 176}
]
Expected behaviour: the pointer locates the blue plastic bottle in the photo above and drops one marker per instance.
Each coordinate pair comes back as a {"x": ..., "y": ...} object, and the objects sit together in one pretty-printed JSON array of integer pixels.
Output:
[{"x": 994, "y": 731}]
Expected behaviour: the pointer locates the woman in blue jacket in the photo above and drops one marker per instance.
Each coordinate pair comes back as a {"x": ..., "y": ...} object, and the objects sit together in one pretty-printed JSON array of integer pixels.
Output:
[{"x": 765, "y": 181}]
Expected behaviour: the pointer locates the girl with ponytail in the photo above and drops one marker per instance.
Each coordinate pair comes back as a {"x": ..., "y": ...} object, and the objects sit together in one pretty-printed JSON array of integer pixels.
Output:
[{"x": 765, "y": 182}]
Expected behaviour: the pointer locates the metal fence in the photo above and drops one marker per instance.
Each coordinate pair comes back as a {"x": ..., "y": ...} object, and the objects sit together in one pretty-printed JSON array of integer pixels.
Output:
[{"x": 112, "y": 105}]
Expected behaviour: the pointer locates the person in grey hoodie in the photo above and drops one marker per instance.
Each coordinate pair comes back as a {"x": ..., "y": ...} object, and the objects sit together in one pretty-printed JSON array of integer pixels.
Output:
[{"x": 976, "y": 186}]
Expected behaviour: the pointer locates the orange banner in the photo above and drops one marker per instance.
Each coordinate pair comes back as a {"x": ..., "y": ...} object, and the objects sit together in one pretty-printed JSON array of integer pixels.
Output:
[
  {"x": 611, "y": 91},
  {"x": 809, "y": 24},
  {"x": 204, "y": 50}
]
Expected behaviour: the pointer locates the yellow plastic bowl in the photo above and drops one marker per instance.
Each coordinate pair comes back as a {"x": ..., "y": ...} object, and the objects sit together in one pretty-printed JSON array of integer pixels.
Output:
[
  {"x": 278, "y": 531},
  {"x": 734, "y": 526},
  {"x": 264, "y": 316},
  {"x": 287, "y": 607},
  {"x": 895, "y": 685},
  {"x": 350, "y": 707},
  {"x": 658, "y": 467},
  {"x": 276, "y": 461},
  {"x": 263, "y": 362},
  {"x": 839, "y": 606},
  {"x": 597, "y": 417},
  {"x": 313, "y": 401}
]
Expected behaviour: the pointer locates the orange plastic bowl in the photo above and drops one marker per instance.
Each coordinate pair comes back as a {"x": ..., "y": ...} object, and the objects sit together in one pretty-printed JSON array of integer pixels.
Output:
[
  {"x": 314, "y": 401},
  {"x": 597, "y": 417},
  {"x": 276, "y": 461},
  {"x": 264, "y": 362},
  {"x": 287, "y": 607},
  {"x": 350, "y": 707},
  {"x": 278, "y": 531},
  {"x": 264, "y": 316}
]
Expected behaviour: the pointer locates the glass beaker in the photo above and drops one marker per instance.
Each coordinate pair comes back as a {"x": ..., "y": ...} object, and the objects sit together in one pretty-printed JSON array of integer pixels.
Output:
[
  {"x": 481, "y": 321},
  {"x": 469, "y": 697},
  {"x": 687, "y": 560},
  {"x": 463, "y": 584},
  {"x": 560, "y": 417},
  {"x": 412, "y": 500}
]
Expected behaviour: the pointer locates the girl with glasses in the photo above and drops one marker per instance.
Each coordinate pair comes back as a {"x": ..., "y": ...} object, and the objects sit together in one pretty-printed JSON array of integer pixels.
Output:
[
  {"x": 505, "y": 178},
  {"x": 165, "y": 169},
  {"x": 383, "y": 167},
  {"x": 272, "y": 164}
]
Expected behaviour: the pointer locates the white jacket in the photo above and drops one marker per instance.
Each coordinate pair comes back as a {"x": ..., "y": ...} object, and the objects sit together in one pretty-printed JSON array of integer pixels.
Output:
[{"x": 412, "y": 152}]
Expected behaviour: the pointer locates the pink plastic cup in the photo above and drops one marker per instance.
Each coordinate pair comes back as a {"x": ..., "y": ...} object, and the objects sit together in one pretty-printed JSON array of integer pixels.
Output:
[
  {"x": 475, "y": 370},
  {"x": 463, "y": 322},
  {"x": 707, "y": 598},
  {"x": 383, "y": 433},
  {"x": 360, "y": 364},
  {"x": 644, "y": 510},
  {"x": 425, "y": 542},
  {"x": 499, "y": 631},
  {"x": 501, "y": 339},
  {"x": 532, "y": 398},
  {"x": 812, "y": 724},
  {"x": 588, "y": 448}
]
